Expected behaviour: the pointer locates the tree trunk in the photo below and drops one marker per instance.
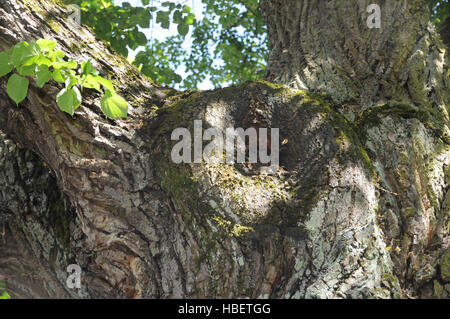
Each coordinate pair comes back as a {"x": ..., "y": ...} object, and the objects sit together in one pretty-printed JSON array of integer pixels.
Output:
[
  {"x": 359, "y": 210},
  {"x": 444, "y": 30},
  {"x": 328, "y": 46}
]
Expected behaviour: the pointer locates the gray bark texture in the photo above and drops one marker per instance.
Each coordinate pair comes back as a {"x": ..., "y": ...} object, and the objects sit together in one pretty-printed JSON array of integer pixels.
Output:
[{"x": 358, "y": 209}]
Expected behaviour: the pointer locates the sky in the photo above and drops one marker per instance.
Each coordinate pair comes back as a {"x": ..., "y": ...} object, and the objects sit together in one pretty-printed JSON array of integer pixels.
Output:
[{"x": 161, "y": 34}]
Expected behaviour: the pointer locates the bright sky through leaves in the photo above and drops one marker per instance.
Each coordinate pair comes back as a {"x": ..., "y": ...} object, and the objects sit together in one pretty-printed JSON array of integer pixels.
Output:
[{"x": 162, "y": 34}]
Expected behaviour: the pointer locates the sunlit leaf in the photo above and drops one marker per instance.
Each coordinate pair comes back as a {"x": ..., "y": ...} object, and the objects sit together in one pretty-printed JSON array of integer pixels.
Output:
[
  {"x": 107, "y": 84},
  {"x": 42, "y": 77},
  {"x": 114, "y": 106},
  {"x": 46, "y": 45},
  {"x": 58, "y": 76},
  {"x": 17, "y": 88},
  {"x": 69, "y": 99},
  {"x": 87, "y": 67},
  {"x": 91, "y": 82}
]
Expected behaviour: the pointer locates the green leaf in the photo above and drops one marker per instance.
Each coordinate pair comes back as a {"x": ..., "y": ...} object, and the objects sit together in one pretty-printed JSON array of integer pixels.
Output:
[
  {"x": 42, "y": 60},
  {"x": 190, "y": 18},
  {"x": 140, "y": 37},
  {"x": 113, "y": 105},
  {"x": 71, "y": 80},
  {"x": 87, "y": 67},
  {"x": 58, "y": 76},
  {"x": 143, "y": 19},
  {"x": 162, "y": 17},
  {"x": 57, "y": 55},
  {"x": 186, "y": 9},
  {"x": 69, "y": 99},
  {"x": 107, "y": 84},
  {"x": 46, "y": 45},
  {"x": 17, "y": 88},
  {"x": 27, "y": 70},
  {"x": 183, "y": 29},
  {"x": 91, "y": 82},
  {"x": 177, "y": 16},
  {"x": 177, "y": 78},
  {"x": 43, "y": 77},
  {"x": 22, "y": 52},
  {"x": 63, "y": 64},
  {"x": 29, "y": 61},
  {"x": 18, "y": 52},
  {"x": 5, "y": 63}
]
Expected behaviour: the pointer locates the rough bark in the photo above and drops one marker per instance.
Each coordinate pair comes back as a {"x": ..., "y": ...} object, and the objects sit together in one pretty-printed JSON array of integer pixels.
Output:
[
  {"x": 398, "y": 74},
  {"x": 444, "y": 30},
  {"x": 37, "y": 226},
  {"x": 327, "y": 46},
  {"x": 360, "y": 208}
]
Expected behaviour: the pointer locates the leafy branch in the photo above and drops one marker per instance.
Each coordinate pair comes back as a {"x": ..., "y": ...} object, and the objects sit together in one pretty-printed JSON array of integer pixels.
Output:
[{"x": 43, "y": 62}]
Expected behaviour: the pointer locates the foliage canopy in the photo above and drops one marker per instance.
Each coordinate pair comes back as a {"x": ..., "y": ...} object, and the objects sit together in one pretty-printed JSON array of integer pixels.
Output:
[{"x": 227, "y": 45}]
